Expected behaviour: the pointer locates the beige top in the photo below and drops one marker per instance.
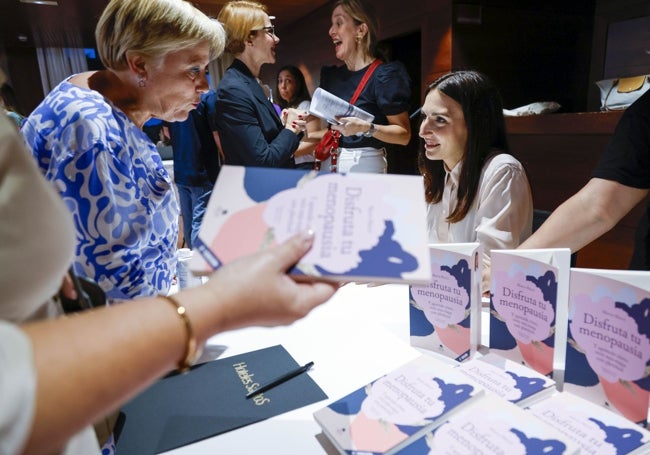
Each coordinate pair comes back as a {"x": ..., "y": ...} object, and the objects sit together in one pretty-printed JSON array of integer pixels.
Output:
[{"x": 36, "y": 245}]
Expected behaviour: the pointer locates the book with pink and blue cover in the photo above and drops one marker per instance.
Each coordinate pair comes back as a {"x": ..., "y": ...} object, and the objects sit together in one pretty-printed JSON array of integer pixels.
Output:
[
  {"x": 445, "y": 315},
  {"x": 368, "y": 227},
  {"x": 492, "y": 426},
  {"x": 507, "y": 379},
  {"x": 392, "y": 411},
  {"x": 595, "y": 429},
  {"x": 608, "y": 345},
  {"x": 528, "y": 306}
]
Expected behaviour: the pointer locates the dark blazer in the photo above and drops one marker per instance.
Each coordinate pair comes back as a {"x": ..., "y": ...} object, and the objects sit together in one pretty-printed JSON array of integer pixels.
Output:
[{"x": 250, "y": 130}]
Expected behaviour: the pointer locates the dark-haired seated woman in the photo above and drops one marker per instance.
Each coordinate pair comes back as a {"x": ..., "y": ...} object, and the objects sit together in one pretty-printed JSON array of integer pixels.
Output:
[{"x": 476, "y": 191}]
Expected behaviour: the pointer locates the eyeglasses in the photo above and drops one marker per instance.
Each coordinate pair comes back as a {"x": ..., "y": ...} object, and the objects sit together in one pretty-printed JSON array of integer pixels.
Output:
[{"x": 270, "y": 29}]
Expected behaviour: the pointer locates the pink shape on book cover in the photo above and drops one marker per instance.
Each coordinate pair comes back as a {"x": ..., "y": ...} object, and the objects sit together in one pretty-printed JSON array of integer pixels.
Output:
[
  {"x": 609, "y": 337},
  {"x": 247, "y": 224},
  {"x": 347, "y": 205},
  {"x": 539, "y": 356},
  {"x": 374, "y": 435},
  {"x": 522, "y": 306},
  {"x": 455, "y": 337},
  {"x": 443, "y": 301},
  {"x": 628, "y": 398}
]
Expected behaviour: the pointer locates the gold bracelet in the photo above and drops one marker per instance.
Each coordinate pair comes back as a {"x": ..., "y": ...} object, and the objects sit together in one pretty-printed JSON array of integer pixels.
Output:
[{"x": 192, "y": 351}]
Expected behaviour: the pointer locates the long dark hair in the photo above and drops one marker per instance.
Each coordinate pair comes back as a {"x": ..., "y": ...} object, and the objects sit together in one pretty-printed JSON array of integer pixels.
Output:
[
  {"x": 486, "y": 136},
  {"x": 301, "y": 94}
]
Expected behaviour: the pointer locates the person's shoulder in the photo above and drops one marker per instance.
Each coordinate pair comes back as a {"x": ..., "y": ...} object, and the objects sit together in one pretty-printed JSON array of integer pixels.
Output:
[
  {"x": 232, "y": 89},
  {"x": 640, "y": 107},
  {"x": 391, "y": 71},
  {"x": 327, "y": 69},
  {"x": 71, "y": 106},
  {"x": 503, "y": 162},
  {"x": 67, "y": 94},
  {"x": 331, "y": 71},
  {"x": 393, "y": 65}
]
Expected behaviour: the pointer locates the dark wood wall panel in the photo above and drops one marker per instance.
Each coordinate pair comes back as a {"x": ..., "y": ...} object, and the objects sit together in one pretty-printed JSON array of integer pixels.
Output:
[
  {"x": 531, "y": 53},
  {"x": 559, "y": 152}
]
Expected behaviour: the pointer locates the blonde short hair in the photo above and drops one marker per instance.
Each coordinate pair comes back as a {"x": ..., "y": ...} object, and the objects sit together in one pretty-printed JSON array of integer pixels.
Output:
[
  {"x": 153, "y": 28},
  {"x": 240, "y": 18}
]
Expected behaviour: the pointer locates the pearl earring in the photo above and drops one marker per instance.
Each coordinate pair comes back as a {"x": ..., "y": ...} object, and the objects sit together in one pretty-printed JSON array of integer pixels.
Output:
[{"x": 141, "y": 81}]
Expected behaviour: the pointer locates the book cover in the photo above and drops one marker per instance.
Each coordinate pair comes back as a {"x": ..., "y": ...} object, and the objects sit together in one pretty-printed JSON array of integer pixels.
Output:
[
  {"x": 608, "y": 345},
  {"x": 210, "y": 399},
  {"x": 393, "y": 410},
  {"x": 528, "y": 306},
  {"x": 329, "y": 107},
  {"x": 507, "y": 379},
  {"x": 595, "y": 429},
  {"x": 445, "y": 314},
  {"x": 368, "y": 227},
  {"x": 494, "y": 426}
]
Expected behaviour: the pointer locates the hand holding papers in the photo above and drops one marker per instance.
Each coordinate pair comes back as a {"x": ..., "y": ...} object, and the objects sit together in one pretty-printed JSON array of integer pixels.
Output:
[{"x": 330, "y": 107}]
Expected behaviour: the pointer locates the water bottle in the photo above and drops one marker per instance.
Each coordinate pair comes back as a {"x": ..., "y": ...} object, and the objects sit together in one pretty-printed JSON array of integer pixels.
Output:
[{"x": 185, "y": 278}]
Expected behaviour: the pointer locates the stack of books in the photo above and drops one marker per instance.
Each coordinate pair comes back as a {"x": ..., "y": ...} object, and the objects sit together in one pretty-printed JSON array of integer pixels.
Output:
[{"x": 567, "y": 369}]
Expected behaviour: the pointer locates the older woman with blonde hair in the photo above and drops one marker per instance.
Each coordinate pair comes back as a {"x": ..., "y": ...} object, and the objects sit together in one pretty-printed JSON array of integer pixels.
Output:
[
  {"x": 87, "y": 138},
  {"x": 250, "y": 130}
]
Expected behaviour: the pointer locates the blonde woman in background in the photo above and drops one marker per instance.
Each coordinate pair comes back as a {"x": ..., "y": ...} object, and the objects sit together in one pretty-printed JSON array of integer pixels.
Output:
[
  {"x": 250, "y": 130},
  {"x": 386, "y": 95}
]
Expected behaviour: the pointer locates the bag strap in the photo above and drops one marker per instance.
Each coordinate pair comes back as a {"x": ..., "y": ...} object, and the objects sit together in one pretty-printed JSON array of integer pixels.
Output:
[{"x": 364, "y": 80}]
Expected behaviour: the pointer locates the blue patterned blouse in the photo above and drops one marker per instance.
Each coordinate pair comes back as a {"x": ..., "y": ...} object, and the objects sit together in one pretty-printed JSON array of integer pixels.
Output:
[{"x": 113, "y": 181}]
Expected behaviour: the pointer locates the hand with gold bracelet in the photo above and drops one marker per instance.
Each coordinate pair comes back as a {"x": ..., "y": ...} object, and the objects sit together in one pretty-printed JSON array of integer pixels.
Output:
[{"x": 141, "y": 340}]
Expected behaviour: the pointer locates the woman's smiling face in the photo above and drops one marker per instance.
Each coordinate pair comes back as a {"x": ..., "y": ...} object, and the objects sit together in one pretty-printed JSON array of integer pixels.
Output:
[
  {"x": 264, "y": 43},
  {"x": 344, "y": 33},
  {"x": 443, "y": 129}
]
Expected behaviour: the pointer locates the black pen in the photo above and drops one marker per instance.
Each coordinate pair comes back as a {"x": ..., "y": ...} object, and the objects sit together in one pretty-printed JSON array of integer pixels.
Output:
[{"x": 279, "y": 380}]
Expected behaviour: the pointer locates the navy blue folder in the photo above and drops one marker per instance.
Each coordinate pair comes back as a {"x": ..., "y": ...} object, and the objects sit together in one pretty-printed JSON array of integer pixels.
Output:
[{"x": 211, "y": 399}]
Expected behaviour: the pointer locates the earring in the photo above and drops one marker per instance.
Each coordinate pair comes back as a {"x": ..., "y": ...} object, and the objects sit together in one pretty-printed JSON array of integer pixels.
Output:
[
  {"x": 358, "y": 40},
  {"x": 141, "y": 81}
]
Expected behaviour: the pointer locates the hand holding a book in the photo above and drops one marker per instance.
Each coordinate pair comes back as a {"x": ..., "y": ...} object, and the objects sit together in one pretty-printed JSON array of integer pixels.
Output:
[
  {"x": 256, "y": 290},
  {"x": 350, "y": 126}
]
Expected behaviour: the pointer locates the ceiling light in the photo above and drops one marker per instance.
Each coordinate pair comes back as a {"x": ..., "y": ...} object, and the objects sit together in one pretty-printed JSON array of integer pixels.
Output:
[{"x": 41, "y": 2}]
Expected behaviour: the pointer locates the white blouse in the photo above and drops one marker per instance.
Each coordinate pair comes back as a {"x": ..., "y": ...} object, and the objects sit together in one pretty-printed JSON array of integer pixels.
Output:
[{"x": 500, "y": 217}]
